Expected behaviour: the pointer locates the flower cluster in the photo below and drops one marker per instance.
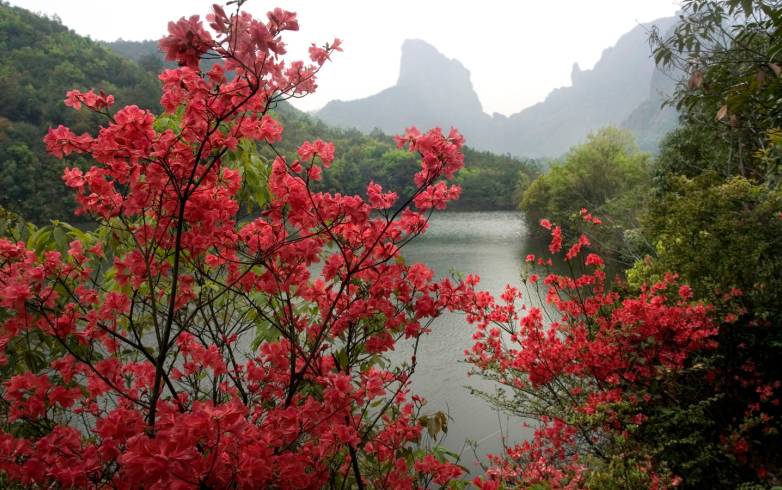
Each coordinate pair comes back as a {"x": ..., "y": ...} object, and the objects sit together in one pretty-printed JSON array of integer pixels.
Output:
[
  {"x": 581, "y": 367},
  {"x": 188, "y": 348}
]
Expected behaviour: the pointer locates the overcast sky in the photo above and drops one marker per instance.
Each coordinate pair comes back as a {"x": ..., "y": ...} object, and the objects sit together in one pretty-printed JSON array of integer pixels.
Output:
[{"x": 517, "y": 51}]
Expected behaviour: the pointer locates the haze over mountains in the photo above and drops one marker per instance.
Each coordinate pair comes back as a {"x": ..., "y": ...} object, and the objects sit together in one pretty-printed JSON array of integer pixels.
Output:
[{"x": 623, "y": 89}]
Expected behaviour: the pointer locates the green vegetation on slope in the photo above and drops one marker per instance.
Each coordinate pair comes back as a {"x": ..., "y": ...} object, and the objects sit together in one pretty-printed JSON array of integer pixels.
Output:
[
  {"x": 42, "y": 59},
  {"x": 488, "y": 181}
]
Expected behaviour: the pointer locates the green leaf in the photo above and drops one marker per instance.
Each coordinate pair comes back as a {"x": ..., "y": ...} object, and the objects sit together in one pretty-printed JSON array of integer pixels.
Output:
[
  {"x": 59, "y": 237},
  {"x": 76, "y": 232}
]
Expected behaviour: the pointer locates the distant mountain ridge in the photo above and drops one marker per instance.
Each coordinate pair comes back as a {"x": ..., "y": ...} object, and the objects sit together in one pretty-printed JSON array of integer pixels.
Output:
[
  {"x": 424, "y": 95},
  {"x": 43, "y": 59},
  {"x": 433, "y": 90},
  {"x": 623, "y": 89}
]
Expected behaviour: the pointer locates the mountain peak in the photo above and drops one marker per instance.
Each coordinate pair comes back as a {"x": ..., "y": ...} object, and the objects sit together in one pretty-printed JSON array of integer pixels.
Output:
[
  {"x": 434, "y": 90},
  {"x": 575, "y": 74},
  {"x": 422, "y": 63}
]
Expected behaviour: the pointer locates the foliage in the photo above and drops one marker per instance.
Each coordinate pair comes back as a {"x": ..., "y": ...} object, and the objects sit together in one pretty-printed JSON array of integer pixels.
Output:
[
  {"x": 592, "y": 371},
  {"x": 713, "y": 217},
  {"x": 718, "y": 234},
  {"x": 146, "y": 53},
  {"x": 607, "y": 174},
  {"x": 688, "y": 151},
  {"x": 723, "y": 236},
  {"x": 645, "y": 387},
  {"x": 227, "y": 323},
  {"x": 706, "y": 413},
  {"x": 41, "y": 59},
  {"x": 732, "y": 53},
  {"x": 176, "y": 346},
  {"x": 488, "y": 181}
]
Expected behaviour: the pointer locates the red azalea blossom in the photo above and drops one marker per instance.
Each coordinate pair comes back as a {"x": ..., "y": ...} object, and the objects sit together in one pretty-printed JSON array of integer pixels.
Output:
[
  {"x": 191, "y": 347},
  {"x": 588, "y": 357}
]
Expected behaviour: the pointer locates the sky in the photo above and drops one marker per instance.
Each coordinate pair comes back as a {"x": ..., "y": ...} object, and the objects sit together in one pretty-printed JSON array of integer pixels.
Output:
[{"x": 517, "y": 51}]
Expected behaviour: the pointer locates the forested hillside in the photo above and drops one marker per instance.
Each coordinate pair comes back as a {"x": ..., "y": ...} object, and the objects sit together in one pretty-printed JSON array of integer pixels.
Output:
[{"x": 43, "y": 60}]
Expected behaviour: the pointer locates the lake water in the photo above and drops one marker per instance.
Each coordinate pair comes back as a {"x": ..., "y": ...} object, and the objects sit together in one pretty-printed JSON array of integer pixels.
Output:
[{"x": 492, "y": 245}]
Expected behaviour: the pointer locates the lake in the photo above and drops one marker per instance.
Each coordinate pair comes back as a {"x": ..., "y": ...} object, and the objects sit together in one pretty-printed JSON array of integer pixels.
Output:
[{"x": 492, "y": 245}]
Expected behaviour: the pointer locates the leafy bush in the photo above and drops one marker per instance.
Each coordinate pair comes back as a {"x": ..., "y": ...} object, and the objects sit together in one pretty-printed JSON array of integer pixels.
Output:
[{"x": 608, "y": 175}]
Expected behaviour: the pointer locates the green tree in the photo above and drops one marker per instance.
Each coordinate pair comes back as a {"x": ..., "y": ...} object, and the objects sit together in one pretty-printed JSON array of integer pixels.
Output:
[
  {"x": 608, "y": 175},
  {"x": 731, "y": 51},
  {"x": 41, "y": 60},
  {"x": 723, "y": 236},
  {"x": 714, "y": 217}
]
